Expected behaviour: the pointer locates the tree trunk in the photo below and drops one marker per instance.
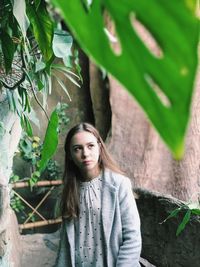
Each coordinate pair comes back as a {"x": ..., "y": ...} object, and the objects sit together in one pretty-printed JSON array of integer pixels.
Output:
[{"x": 142, "y": 154}]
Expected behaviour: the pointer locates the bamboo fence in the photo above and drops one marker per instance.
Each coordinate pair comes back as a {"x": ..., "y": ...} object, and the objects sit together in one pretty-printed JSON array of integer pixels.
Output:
[{"x": 44, "y": 221}]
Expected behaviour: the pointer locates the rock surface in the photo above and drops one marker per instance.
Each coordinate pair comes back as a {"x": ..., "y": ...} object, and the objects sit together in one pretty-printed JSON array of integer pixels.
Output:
[
  {"x": 39, "y": 250},
  {"x": 161, "y": 246},
  {"x": 9, "y": 137}
]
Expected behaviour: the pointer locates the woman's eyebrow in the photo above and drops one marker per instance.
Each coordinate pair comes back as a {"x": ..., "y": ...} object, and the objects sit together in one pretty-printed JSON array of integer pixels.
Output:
[
  {"x": 76, "y": 145},
  {"x": 80, "y": 145}
]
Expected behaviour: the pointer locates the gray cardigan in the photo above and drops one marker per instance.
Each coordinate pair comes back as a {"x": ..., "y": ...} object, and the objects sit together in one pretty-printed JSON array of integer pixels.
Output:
[{"x": 121, "y": 226}]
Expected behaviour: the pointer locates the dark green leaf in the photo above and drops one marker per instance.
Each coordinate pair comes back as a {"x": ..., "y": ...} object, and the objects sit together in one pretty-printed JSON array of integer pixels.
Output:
[
  {"x": 173, "y": 213},
  {"x": 27, "y": 104},
  {"x": 144, "y": 74},
  {"x": 22, "y": 93},
  {"x": 185, "y": 220},
  {"x": 27, "y": 125},
  {"x": 8, "y": 49},
  {"x": 42, "y": 28},
  {"x": 50, "y": 141},
  {"x": 37, "y": 3},
  {"x": 40, "y": 85}
]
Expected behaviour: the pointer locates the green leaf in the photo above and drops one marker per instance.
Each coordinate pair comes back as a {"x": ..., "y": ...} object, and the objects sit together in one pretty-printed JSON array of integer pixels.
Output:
[
  {"x": 26, "y": 147},
  {"x": 19, "y": 11},
  {"x": 37, "y": 3},
  {"x": 62, "y": 85},
  {"x": 35, "y": 175},
  {"x": 32, "y": 182},
  {"x": 27, "y": 125},
  {"x": 64, "y": 69},
  {"x": 50, "y": 141},
  {"x": 8, "y": 49},
  {"x": 62, "y": 43},
  {"x": 185, "y": 220},
  {"x": 14, "y": 104},
  {"x": 42, "y": 28},
  {"x": 173, "y": 214},
  {"x": 137, "y": 68},
  {"x": 14, "y": 178},
  {"x": 39, "y": 65},
  {"x": 195, "y": 211},
  {"x": 27, "y": 103},
  {"x": 40, "y": 85}
]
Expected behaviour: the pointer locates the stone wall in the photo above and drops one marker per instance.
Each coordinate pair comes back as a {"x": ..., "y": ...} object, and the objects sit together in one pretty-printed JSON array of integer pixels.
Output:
[
  {"x": 161, "y": 246},
  {"x": 9, "y": 238}
]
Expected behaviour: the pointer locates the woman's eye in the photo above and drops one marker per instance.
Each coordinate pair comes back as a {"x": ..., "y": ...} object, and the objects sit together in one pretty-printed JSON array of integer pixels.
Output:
[
  {"x": 91, "y": 146},
  {"x": 76, "y": 149}
]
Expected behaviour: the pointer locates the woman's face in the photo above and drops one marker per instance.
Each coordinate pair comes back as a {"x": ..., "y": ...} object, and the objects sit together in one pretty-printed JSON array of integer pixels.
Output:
[{"x": 84, "y": 150}]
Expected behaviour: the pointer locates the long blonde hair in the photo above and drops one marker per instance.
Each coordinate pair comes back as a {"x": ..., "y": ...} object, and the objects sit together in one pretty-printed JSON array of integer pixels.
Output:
[{"x": 70, "y": 194}]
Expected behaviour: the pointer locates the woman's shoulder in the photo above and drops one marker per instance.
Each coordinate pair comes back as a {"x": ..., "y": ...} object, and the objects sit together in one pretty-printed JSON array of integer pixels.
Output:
[{"x": 115, "y": 178}]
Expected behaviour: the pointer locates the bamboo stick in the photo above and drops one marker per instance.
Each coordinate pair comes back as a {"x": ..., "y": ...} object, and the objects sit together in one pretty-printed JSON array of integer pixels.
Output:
[
  {"x": 40, "y": 183},
  {"x": 39, "y": 223},
  {"x": 39, "y": 204},
  {"x": 29, "y": 205}
]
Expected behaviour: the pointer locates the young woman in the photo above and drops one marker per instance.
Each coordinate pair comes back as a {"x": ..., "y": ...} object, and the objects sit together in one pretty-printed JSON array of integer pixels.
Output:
[{"x": 101, "y": 225}]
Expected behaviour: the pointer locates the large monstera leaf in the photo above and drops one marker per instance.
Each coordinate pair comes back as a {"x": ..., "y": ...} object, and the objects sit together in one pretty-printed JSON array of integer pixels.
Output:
[{"x": 149, "y": 78}]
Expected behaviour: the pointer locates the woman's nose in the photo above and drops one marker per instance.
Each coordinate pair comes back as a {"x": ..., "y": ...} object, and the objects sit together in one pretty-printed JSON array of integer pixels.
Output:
[{"x": 85, "y": 152}]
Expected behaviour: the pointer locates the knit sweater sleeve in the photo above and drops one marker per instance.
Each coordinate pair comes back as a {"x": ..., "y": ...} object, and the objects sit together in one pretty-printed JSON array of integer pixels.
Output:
[{"x": 129, "y": 252}]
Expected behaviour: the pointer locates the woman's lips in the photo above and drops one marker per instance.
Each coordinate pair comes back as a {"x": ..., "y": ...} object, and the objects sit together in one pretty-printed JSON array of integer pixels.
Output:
[{"x": 87, "y": 162}]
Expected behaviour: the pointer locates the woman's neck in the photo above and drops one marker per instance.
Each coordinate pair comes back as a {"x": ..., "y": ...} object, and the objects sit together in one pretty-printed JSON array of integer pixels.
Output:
[{"x": 89, "y": 175}]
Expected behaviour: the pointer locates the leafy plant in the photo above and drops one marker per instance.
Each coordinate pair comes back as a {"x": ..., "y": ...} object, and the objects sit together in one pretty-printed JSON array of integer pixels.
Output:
[
  {"x": 161, "y": 83},
  {"x": 38, "y": 154},
  {"x": 30, "y": 149},
  {"x": 16, "y": 204},
  {"x": 63, "y": 119},
  {"x": 188, "y": 210},
  {"x": 31, "y": 45},
  {"x": 14, "y": 178},
  {"x": 52, "y": 171},
  {"x": 35, "y": 176}
]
